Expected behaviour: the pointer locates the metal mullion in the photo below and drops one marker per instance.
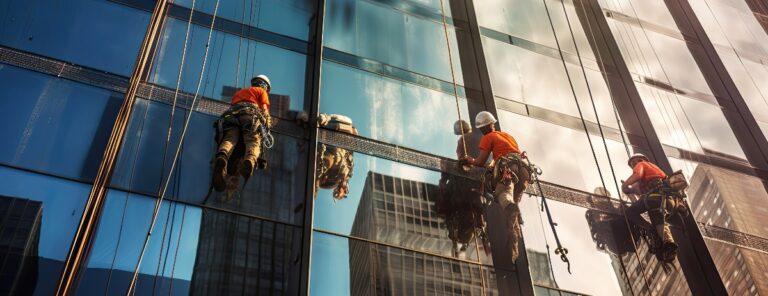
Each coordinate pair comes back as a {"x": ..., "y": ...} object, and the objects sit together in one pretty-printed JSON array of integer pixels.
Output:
[{"x": 314, "y": 65}]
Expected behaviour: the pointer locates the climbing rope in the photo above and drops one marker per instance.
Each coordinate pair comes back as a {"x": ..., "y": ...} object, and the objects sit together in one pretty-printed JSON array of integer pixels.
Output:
[
  {"x": 560, "y": 250},
  {"x": 458, "y": 111},
  {"x": 161, "y": 196},
  {"x": 453, "y": 75},
  {"x": 604, "y": 75}
]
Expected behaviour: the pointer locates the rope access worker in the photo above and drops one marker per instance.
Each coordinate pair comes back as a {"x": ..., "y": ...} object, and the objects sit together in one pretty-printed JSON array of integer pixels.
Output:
[
  {"x": 246, "y": 119},
  {"x": 649, "y": 182},
  {"x": 511, "y": 173}
]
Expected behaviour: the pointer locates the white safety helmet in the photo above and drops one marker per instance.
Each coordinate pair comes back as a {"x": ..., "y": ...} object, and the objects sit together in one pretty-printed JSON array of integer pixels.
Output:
[
  {"x": 263, "y": 78},
  {"x": 636, "y": 156},
  {"x": 484, "y": 118}
]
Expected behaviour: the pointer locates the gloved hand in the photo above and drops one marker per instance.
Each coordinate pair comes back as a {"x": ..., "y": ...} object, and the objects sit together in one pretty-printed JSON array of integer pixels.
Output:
[{"x": 466, "y": 161}]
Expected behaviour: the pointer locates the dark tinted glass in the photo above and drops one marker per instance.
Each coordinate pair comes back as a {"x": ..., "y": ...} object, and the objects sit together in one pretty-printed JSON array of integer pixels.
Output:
[
  {"x": 99, "y": 34},
  {"x": 273, "y": 193},
  {"x": 54, "y": 125},
  {"x": 343, "y": 266},
  {"x": 231, "y": 63},
  {"x": 40, "y": 216},
  {"x": 286, "y": 17},
  {"x": 192, "y": 250}
]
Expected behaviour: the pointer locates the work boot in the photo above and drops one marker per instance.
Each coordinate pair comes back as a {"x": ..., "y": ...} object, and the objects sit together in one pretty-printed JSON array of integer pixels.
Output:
[
  {"x": 513, "y": 230},
  {"x": 220, "y": 172},
  {"x": 246, "y": 169},
  {"x": 668, "y": 246}
]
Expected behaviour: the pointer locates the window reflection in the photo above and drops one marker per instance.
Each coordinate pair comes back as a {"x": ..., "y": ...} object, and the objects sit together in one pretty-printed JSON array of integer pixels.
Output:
[
  {"x": 380, "y": 32},
  {"x": 343, "y": 266},
  {"x": 529, "y": 77},
  {"x": 725, "y": 198},
  {"x": 742, "y": 270},
  {"x": 93, "y": 33},
  {"x": 191, "y": 249},
  {"x": 576, "y": 168},
  {"x": 40, "y": 217},
  {"x": 271, "y": 193},
  {"x": 392, "y": 111},
  {"x": 232, "y": 62},
  {"x": 402, "y": 205},
  {"x": 287, "y": 17},
  {"x": 689, "y": 124},
  {"x": 54, "y": 125}
]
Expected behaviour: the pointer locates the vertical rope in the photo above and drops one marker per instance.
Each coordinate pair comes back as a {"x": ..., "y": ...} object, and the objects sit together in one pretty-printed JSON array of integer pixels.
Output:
[
  {"x": 458, "y": 111},
  {"x": 159, "y": 200},
  {"x": 610, "y": 93}
]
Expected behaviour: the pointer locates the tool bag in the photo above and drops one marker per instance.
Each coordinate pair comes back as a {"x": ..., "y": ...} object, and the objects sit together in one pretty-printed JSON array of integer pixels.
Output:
[{"x": 677, "y": 181}]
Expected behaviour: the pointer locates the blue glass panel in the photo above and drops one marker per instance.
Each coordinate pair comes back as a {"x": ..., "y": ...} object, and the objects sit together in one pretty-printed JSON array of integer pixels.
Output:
[
  {"x": 383, "y": 33},
  {"x": 232, "y": 62},
  {"x": 287, "y": 17},
  {"x": 392, "y": 111},
  {"x": 343, "y": 266},
  {"x": 272, "y": 193},
  {"x": 50, "y": 234},
  {"x": 93, "y": 33},
  {"x": 54, "y": 125},
  {"x": 191, "y": 249}
]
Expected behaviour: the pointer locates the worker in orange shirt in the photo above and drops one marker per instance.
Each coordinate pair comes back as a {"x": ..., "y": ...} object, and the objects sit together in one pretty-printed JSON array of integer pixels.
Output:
[
  {"x": 511, "y": 173},
  {"x": 247, "y": 116},
  {"x": 648, "y": 181}
]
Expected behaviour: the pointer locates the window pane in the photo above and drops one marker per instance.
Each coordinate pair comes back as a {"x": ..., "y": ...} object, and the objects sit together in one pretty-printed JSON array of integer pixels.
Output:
[
  {"x": 392, "y": 111},
  {"x": 385, "y": 34},
  {"x": 596, "y": 251},
  {"x": 725, "y": 198},
  {"x": 191, "y": 249},
  {"x": 54, "y": 125},
  {"x": 525, "y": 19},
  {"x": 742, "y": 270},
  {"x": 232, "y": 62},
  {"x": 272, "y": 193},
  {"x": 343, "y": 266},
  {"x": 287, "y": 17},
  {"x": 529, "y": 77},
  {"x": 689, "y": 124},
  {"x": 400, "y": 205},
  {"x": 93, "y": 33},
  {"x": 575, "y": 169},
  {"x": 51, "y": 209}
]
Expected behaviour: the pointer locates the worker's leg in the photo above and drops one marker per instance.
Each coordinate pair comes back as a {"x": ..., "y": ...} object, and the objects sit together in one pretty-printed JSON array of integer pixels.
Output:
[
  {"x": 635, "y": 211},
  {"x": 505, "y": 197},
  {"x": 252, "y": 142},
  {"x": 669, "y": 247},
  {"x": 228, "y": 142}
]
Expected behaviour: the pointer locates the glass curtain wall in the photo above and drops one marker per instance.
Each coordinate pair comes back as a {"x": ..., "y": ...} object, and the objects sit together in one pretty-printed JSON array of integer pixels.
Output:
[
  {"x": 54, "y": 130},
  {"x": 690, "y": 119}
]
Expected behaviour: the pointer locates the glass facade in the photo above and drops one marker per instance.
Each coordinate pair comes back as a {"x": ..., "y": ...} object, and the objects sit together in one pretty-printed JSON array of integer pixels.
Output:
[{"x": 581, "y": 85}]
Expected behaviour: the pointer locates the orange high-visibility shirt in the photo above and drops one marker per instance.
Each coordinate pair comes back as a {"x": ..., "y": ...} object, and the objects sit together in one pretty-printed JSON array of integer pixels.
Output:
[
  {"x": 256, "y": 95},
  {"x": 648, "y": 171},
  {"x": 499, "y": 143}
]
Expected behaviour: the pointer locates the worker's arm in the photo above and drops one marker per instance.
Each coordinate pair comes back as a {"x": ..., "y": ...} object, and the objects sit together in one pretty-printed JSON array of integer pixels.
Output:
[
  {"x": 637, "y": 174},
  {"x": 479, "y": 161}
]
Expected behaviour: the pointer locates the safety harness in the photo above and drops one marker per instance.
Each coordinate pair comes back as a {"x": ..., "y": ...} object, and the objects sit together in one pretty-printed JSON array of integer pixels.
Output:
[
  {"x": 672, "y": 200},
  {"x": 502, "y": 172},
  {"x": 229, "y": 120}
]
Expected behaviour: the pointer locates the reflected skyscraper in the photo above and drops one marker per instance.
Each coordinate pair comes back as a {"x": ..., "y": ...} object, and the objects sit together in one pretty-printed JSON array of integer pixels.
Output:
[
  {"x": 19, "y": 236},
  {"x": 398, "y": 210}
]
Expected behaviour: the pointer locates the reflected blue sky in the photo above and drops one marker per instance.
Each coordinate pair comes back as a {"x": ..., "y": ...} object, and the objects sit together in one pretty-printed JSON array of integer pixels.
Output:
[{"x": 330, "y": 265}]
